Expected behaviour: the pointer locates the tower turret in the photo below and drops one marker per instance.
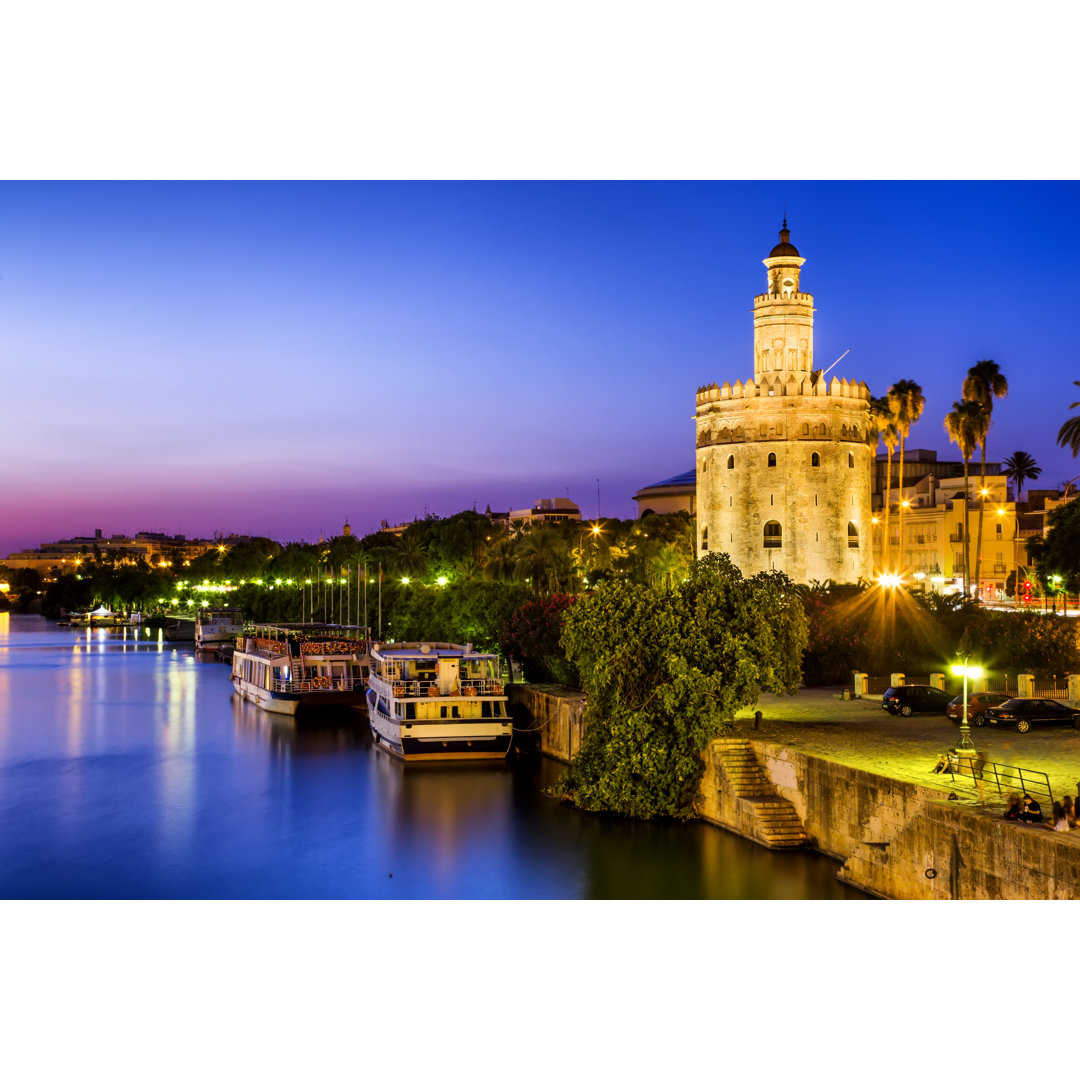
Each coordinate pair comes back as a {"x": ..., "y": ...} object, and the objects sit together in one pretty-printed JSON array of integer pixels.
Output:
[{"x": 783, "y": 316}]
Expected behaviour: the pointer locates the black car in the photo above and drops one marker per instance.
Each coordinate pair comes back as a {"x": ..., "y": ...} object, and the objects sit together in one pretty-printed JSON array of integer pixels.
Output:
[
  {"x": 906, "y": 700},
  {"x": 1023, "y": 712}
]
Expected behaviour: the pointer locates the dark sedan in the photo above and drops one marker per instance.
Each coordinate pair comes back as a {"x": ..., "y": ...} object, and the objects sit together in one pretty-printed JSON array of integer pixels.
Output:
[
  {"x": 1021, "y": 713},
  {"x": 977, "y": 705},
  {"x": 906, "y": 700}
]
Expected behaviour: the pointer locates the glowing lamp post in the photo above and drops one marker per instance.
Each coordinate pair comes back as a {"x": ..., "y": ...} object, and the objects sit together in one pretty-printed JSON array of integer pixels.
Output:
[{"x": 965, "y": 731}]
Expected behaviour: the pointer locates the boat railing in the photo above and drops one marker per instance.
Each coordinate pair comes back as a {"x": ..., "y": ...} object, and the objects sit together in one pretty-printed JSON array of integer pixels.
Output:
[
  {"x": 319, "y": 684},
  {"x": 411, "y": 688}
]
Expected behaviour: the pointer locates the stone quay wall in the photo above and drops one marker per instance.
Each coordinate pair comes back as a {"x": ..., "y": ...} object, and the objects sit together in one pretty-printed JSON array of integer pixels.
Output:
[
  {"x": 894, "y": 838},
  {"x": 555, "y": 713},
  {"x": 900, "y": 840}
]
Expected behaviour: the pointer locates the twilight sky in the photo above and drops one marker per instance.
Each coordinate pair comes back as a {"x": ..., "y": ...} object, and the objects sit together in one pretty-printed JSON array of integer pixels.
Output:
[{"x": 269, "y": 358}]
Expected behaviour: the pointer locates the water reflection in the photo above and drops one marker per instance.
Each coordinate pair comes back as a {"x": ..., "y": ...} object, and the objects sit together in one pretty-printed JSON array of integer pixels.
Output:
[
  {"x": 342, "y": 730},
  {"x": 128, "y": 768}
]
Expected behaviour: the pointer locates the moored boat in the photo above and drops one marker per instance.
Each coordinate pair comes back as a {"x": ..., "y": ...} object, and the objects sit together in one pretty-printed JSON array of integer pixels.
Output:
[
  {"x": 435, "y": 701},
  {"x": 217, "y": 627},
  {"x": 293, "y": 667}
]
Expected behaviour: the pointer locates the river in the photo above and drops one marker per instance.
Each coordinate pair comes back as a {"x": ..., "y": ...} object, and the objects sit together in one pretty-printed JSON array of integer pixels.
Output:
[{"x": 129, "y": 770}]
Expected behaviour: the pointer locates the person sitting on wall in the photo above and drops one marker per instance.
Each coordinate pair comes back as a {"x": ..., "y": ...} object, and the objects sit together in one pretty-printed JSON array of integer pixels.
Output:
[
  {"x": 942, "y": 764},
  {"x": 1032, "y": 810},
  {"x": 1060, "y": 822},
  {"x": 1012, "y": 809},
  {"x": 1070, "y": 811}
]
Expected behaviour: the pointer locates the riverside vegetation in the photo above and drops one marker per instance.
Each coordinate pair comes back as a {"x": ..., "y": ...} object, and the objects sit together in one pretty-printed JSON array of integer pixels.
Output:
[{"x": 666, "y": 646}]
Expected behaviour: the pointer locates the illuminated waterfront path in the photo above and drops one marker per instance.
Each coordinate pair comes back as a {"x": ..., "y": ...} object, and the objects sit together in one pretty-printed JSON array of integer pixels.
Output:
[
  {"x": 860, "y": 733},
  {"x": 129, "y": 769}
]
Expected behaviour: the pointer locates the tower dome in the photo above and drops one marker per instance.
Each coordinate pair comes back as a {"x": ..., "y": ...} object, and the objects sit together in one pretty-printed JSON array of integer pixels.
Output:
[{"x": 784, "y": 247}]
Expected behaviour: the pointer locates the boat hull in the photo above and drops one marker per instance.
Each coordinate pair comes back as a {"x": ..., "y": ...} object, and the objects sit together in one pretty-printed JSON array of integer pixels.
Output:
[
  {"x": 464, "y": 740},
  {"x": 288, "y": 704}
]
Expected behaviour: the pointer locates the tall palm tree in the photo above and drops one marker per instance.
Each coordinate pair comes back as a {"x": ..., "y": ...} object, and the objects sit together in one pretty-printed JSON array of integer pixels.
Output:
[
  {"x": 983, "y": 383},
  {"x": 907, "y": 400},
  {"x": 1069, "y": 435},
  {"x": 883, "y": 424},
  {"x": 1020, "y": 466},
  {"x": 965, "y": 425}
]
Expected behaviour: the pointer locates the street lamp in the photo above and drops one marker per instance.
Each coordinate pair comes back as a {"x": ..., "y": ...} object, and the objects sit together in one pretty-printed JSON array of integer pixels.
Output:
[{"x": 965, "y": 732}]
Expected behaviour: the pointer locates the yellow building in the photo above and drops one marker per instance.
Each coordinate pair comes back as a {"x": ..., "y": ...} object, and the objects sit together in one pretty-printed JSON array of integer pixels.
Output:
[
  {"x": 926, "y": 529},
  {"x": 784, "y": 459}
]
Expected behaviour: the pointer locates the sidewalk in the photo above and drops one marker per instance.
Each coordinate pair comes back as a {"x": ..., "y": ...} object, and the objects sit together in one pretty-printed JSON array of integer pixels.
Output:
[{"x": 860, "y": 733}]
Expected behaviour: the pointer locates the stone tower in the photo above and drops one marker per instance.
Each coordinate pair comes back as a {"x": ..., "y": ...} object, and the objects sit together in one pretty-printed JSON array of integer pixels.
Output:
[{"x": 784, "y": 459}]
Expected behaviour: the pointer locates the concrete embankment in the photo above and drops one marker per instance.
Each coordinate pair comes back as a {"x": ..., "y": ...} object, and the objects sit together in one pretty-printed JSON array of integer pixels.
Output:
[{"x": 856, "y": 793}]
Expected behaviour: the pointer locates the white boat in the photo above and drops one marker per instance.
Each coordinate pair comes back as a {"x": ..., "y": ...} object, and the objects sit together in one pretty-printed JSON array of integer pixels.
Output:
[
  {"x": 294, "y": 667},
  {"x": 433, "y": 701},
  {"x": 217, "y": 627}
]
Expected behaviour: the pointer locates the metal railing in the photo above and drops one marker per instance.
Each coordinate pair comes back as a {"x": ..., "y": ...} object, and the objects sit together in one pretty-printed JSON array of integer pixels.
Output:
[
  {"x": 430, "y": 688},
  {"x": 980, "y": 772},
  {"x": 1048, "y": 688},
  {"x": 318, "y": 685}
]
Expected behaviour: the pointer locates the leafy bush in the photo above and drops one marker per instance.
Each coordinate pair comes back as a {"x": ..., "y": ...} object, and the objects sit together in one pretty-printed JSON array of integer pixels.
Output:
[{"x": 663, "y": 668}]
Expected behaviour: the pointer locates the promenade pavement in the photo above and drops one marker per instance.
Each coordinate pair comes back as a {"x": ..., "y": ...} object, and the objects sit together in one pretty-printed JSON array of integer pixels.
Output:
[{"x": 860, "y": 733}]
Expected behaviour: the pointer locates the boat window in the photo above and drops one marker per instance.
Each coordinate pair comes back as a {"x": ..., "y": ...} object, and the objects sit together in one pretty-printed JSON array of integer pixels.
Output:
[
  {"x": 455, "y": 711},
  {"x": 485, "y": 709},
  {"x": 442, "y": 711},
  {"x": 410, "y": 710}
]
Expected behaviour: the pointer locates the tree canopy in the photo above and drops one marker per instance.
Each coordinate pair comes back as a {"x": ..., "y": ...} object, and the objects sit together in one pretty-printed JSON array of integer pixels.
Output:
[{"x": 663, "y": 667}]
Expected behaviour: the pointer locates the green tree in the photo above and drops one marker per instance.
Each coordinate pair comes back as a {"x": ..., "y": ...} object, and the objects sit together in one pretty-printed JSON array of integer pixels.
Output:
[
  {"x": 663, "y": 669},
  {"x": 983, "y": 384},
  {"x": 1020, "y": 467},
  {"x": 966, "y": 426},
  {"x": 1069, "y": 435},
  {"x": 907, "y": 401}
]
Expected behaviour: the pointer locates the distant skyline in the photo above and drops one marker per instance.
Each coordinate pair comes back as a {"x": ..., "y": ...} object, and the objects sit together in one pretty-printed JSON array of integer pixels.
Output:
[{"x": 273, "y": 358}]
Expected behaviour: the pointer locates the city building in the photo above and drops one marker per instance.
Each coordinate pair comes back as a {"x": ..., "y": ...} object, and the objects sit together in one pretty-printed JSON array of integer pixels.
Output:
[
  {"x": 157, "y": 549},
  {"x": 546, "y": 510},
  {"x": 784, "y": 459},
  {"x": 668, "y": 496}
]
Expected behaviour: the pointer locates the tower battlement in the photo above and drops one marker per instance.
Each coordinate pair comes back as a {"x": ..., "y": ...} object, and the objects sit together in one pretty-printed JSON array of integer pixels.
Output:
[{"x": 784, "y": 456}]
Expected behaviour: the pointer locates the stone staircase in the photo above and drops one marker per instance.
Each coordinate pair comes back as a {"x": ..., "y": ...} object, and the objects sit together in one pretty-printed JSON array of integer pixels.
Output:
[{"x": 774, "y": 820}]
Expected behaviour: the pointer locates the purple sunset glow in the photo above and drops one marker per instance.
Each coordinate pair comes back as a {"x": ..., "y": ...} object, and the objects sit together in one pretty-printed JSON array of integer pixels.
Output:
[{"x": 271, "y": 358}]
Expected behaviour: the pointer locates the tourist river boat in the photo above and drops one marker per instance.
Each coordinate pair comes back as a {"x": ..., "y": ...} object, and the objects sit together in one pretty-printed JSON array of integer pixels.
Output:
[
  {"x": 291, "y": 667},
  {"x": 217, "y": 627},
  {"x": 432, "y": 701}
]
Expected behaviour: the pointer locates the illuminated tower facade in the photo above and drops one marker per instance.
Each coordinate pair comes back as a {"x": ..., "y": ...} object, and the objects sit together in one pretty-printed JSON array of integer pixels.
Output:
[{"x": 784, "y": 459}]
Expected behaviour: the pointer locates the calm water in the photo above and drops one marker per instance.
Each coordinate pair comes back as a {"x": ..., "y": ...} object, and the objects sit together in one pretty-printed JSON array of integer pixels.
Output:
[{"x": 129, "y": 769}]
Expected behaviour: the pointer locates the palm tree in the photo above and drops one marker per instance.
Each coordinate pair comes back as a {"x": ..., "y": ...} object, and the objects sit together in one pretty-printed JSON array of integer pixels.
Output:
[
  {"x": 984, "y": 382},
  {"x": 1069, "y": 435},
  {"x": 907, "y": 400},
  {"x": 965, "y": 425},
  {"x": 883, "y": 424},
  {"x": 1020, "y": 466}
]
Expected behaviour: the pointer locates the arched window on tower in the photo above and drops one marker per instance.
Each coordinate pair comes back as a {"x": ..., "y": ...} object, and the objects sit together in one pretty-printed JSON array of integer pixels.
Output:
[
  {"x": 772, "y": 461},
  {"x": 774, "y": 534},
  {"x": 806, "y": 429},
  {"x": 705, "y": 538},
  {"x": 731, "y": 461},
  {"x": 850, "y": 460},
  {"x": 821, "y": 430},
  {"x": 815, "y": 459},
  {"x": 852, "y": 535}
]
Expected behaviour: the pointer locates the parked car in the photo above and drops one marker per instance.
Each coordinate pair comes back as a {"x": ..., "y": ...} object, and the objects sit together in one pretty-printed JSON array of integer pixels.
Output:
[
  {"x": 1023, "y": 712},
  {"x": 906, "y": 700},
  {"x": 977, "y": 706}
]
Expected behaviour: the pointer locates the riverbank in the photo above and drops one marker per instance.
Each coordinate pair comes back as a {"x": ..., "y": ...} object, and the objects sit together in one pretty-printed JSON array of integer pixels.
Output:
[{"x": 861, "y": 784}]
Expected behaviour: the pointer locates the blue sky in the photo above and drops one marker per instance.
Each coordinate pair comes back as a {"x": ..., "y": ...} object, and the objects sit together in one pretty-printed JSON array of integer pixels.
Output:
[{"x": 270, "y": 358}]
